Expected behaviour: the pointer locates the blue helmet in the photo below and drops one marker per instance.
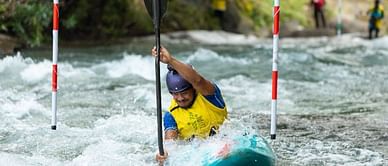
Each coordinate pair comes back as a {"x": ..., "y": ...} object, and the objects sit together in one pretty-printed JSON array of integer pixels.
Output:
[{"x": 175, "y": 82}]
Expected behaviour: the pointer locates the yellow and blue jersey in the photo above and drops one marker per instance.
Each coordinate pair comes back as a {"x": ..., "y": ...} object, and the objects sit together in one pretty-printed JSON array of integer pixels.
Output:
[{"x": 170, "y": 123}]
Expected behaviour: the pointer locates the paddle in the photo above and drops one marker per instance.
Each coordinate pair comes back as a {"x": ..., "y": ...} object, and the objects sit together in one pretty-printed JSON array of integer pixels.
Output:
[{"x": 156, "y": 9}]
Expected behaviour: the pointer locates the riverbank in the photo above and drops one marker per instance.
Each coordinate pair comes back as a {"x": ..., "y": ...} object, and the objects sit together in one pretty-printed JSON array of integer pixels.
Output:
[
  {"x": 9, "y": 45},
  {"x": 241, "y": 20}
]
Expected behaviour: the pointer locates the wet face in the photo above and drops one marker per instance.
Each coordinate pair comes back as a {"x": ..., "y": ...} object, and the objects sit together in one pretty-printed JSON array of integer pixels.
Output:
[{"x": 185, "y": 98}]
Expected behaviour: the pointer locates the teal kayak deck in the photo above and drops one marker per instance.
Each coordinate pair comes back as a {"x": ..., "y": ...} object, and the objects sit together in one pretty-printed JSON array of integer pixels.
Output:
[
  {"x": 245, "y": 150},
  {"x": 245, "y": 157}
]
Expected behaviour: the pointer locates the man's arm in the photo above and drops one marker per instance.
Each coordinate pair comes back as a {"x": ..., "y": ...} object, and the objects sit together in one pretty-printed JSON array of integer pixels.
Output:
[
  {"x": 170, "y": 135},
  {"x": 199, "y": 83},
  {"x": 170, "y": 127},
  {"x": 216, "y": 98}
]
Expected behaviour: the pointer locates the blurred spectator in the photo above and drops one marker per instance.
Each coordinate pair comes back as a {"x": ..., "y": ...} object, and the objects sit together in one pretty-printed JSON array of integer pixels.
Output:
[
  {"x": 376, "y": 14},
  {"x": 219, "y": 7},
  {"x": 318, "y": 12}
]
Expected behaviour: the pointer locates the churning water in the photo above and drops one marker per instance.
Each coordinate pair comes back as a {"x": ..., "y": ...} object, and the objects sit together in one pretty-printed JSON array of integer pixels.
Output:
[{"x": 332, "y": 100}]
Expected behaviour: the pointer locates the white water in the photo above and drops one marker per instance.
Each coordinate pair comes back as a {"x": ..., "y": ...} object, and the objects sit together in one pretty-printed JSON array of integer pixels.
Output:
[{"x": 106, "y": 100}]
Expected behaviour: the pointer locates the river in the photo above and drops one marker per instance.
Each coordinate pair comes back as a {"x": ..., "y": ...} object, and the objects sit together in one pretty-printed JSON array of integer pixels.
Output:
[{"x": 332, "y": 100}]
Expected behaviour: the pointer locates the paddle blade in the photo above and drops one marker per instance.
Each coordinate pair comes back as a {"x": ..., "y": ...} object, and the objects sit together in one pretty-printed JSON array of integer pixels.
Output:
[{"x": 150, "y": 10}]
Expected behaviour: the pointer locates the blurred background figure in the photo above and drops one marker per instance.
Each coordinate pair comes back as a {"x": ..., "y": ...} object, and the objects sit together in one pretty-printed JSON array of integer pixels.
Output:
[
  {"x": 219, "y": 7},
  {"x": 318, "y": 12},
  {"x": 376, "y": 15}
]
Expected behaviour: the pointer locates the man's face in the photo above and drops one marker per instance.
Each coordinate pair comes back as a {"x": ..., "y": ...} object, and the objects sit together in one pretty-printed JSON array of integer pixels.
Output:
[{"x": 185, "y": 98}]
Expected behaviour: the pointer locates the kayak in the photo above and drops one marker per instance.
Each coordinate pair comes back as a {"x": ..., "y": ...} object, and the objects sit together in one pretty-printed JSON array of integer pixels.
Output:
[
  {"x": 241, "y": 150},
  {"x": 244, "y": 150}
]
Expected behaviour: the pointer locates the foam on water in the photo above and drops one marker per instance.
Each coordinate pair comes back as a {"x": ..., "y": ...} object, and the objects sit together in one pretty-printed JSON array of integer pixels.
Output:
[
  {"x": 107, "y": 111},
  {"x": 131, "y": 64},
  {"x": 31, "y": 71},
  {"x": 106, "y": 151},
  {"x": 13, "y": 63},
  {"x": 20, "y": 159},
  {"x": 218, "y": 37},
  {"x": 320, "y": 153},
  {"x": 22, "y": 108},
  {"x": 380, "y": 43},
  {"x": 250, "y": 91},
  {"x": 204, "y": 55},
  {"x": 36, "y": 72}
]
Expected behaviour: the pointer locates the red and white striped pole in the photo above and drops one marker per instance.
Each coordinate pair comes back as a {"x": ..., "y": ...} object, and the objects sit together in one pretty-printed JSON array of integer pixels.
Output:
[
  {"x": 55, "y": 68},
  {"x": 275, "y": 52}
]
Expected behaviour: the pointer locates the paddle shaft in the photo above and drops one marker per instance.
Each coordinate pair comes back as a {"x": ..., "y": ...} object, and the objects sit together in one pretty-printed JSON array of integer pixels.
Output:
[{"x": 156, "y": 19}]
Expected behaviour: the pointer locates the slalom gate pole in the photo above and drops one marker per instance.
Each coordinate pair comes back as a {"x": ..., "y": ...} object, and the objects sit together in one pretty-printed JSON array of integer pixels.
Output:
[
  {"x": 339, "y": 18},
  {"x": 275, "y": 52},
  {"x": 54, "y": 66}
]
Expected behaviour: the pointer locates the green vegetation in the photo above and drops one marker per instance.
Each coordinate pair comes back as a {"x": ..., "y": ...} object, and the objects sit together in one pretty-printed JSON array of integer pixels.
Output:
[
  {"x": 104, "y": 19},
  {"x": 28, "y": 20},
  {"x": 185, "y": 15},
  {"x": 31, "y": 21},
  {"x": 261, "y": 11}
]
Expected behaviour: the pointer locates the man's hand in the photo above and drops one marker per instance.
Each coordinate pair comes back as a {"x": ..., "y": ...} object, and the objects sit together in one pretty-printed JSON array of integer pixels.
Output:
[
  {"x": 165, "y": 56},
  {"x": 161, "y": 158},
  {"x": 224, "y": 152}
]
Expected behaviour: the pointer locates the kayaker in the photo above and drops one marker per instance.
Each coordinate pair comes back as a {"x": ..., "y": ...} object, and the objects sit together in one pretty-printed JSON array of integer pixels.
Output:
[{"x": 197, "y": 107}]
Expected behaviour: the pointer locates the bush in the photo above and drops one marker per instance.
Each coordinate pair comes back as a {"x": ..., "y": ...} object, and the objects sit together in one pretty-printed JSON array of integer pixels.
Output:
[{"x": 28, "y": 21}]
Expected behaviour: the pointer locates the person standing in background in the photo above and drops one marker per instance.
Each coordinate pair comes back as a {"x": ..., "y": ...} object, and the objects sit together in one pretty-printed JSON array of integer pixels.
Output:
[
  {"x": 318, "y": 12},
  {"x": 219, "y": 8},
  {"x": 376, "y": 19}
]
